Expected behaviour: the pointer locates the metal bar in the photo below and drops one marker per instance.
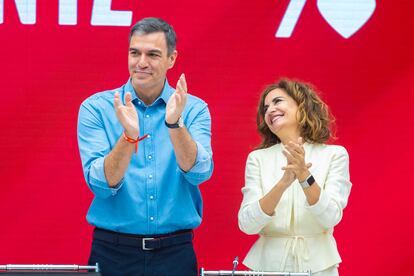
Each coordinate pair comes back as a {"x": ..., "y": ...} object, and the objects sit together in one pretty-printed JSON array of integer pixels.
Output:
[
  {"x": 49, "y": 267},
  {"x": 251, "y": 273}
]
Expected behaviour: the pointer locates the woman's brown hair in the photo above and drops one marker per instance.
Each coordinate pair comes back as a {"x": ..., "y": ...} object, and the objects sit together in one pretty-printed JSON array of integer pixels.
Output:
[{"x": 314, "y": 118}]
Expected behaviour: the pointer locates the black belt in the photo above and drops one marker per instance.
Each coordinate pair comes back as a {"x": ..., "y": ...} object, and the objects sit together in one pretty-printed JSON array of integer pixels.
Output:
[{"x": 149, "y": 242}]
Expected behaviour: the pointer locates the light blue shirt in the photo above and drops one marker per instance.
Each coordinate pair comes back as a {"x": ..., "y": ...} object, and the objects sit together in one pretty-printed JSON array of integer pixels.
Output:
[{"x": 155, "y": 196}]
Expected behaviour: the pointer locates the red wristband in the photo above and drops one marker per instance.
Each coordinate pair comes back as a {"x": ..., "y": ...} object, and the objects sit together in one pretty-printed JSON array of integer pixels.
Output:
[{"x": 134, "y": 141}]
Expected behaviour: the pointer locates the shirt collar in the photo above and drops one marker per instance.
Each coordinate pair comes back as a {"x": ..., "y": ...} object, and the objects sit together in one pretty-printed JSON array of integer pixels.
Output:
[{"x": 166, "y": 93}]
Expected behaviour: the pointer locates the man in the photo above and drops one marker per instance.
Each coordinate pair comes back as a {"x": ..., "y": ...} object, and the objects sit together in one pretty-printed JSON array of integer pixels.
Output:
[{"x": 145, "y": 148}]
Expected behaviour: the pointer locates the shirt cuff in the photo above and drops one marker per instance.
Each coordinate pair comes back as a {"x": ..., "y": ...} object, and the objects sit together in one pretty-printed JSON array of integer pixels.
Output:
[
  {"x": 97, "y": 180},
  {"x": 258, "y": 214},
  {"x": 203, "y": 160},
  {"x": 320, "y": 206}
]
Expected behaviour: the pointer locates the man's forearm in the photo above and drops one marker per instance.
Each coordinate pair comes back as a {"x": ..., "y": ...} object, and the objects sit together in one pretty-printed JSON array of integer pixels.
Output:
[
  {"x": 117, "y": 162},
  {"x": 184, "y": 147}
]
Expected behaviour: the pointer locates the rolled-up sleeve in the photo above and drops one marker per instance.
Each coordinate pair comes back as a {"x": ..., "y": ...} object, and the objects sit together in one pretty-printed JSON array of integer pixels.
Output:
[
  {"x": 200, "y": 131},
  {"x": 335, "y": 192},
  {"x": 251, "y": 217},
  {"x": 93, "y": 148}
]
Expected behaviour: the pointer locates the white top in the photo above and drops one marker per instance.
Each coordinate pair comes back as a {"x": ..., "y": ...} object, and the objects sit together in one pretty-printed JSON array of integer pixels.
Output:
[{"x": 296, "y": 231}]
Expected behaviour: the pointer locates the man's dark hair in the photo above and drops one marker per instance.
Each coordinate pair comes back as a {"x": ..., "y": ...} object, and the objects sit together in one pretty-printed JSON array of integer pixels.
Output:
[{"x": 150, "y": 25}]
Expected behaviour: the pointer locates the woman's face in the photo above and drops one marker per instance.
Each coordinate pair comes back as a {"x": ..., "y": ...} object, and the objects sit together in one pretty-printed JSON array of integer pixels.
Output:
[{"x": 280, "y": 113}]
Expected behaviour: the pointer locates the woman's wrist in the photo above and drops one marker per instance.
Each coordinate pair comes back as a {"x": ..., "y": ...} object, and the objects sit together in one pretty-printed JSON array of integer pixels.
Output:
[
  {"x": 285, "y": 183},
  {"x": 301, "y": 176}
]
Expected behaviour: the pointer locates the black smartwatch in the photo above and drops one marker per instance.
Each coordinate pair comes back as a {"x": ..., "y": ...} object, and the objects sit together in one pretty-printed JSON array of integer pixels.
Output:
[
  {"x": 307, "y": 182},
  {"x": 178, "y": 124}
]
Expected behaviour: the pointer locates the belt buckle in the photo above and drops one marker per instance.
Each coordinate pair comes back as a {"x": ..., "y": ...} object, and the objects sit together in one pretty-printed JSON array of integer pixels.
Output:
[{"x": 144, "y": 247}]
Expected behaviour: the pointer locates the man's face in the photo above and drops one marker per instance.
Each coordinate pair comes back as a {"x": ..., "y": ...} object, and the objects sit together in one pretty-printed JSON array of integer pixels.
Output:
[{"x": 149, "y": 62}]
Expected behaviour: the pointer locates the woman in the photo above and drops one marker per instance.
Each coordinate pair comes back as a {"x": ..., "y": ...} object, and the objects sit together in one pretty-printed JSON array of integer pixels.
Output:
[{"x": 296, "y": 186}]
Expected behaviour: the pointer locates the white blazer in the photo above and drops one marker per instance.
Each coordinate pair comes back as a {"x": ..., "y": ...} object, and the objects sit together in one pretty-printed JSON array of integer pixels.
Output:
[{"x": 296, "y": 231}]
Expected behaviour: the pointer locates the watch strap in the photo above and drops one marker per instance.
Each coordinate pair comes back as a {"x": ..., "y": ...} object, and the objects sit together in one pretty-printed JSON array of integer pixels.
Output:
[
  {"x": 178, "y": 124},
  {"x": 307, "y": 182}
]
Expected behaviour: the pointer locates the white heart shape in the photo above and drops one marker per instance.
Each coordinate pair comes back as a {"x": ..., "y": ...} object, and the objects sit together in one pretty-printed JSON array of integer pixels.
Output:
[{"x": 346, "y": 16}]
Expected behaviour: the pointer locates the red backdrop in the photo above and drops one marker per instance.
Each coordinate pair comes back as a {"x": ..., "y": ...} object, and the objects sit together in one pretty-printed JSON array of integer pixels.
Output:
[{"x": 228, "y": 51}]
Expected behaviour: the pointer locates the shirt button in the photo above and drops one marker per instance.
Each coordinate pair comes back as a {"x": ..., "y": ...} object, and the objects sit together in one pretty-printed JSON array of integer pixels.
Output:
[
  {"x": 147, "y": 116},
  {"x": 149, "y": 157},
  {"x": 151, "y": 197},
  {"x": 139, "y": 102},
  {"x": 151, "y": 218},
  {"x": 150, "y": 176},
  {"x": 149, "y": 136}
]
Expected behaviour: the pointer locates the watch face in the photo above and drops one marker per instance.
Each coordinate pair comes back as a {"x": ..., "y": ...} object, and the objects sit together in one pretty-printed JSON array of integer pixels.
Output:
[
  {"x": 310, "y": 180},
  {"x": 180, "y": 122}
]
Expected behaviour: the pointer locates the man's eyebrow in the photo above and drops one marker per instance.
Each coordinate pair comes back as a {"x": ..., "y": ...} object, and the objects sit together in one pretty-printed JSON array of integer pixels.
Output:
[
  {"x": 155, "y": 51},
  {"x": 151, "y": 51}
]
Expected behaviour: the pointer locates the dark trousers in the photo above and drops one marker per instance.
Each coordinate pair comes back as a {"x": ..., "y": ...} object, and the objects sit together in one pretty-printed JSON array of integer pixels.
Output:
[{"x": 121, "y": 254}]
